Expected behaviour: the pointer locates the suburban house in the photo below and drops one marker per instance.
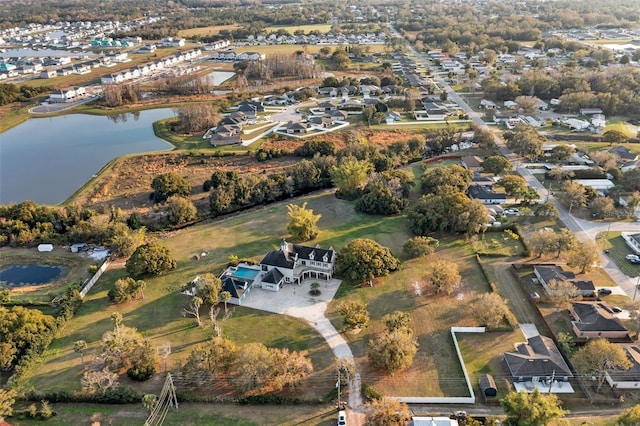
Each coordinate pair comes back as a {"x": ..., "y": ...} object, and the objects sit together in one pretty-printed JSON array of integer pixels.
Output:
[
  {"x": 323, "y": 122},
  {"x": 487, "y": 104},
  {"x": 63, "y": 95},
  {"x": 590, "y": 111},
  {"x": 594, "y": 320},
  {"x": 337, "y": 115},
  {"x": 327, "y": 106},
  {"x": 626, "y": 379},
  {"x": 623, "y": 153},
  {"x": 296, "y": 127},
  {"x": 328, "y": 91},
  {"x": 226, "y": 134},
  {"x": 472, "y": 162},
  {"x": 293, "y": 263},
  {"x": 632, "y": 240},
  {"x": 485, "y": 195},
  {"x": 538, "y": 364},
  {"x": 547, "y": 273},
  {"x": 597, "y": 184}
]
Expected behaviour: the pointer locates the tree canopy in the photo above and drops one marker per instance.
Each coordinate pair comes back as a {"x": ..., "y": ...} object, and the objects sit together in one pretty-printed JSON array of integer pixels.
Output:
[
  {"x": 303, "y": 224},
  {"x": 531, "y": 409},
  {"x": 364, "y": 259},
  {"x": 150, "y": 259},
  {"x": 168, "y": 184},
  {"x": 598, "y": 356},
  {"x": 394, "y": 349},
  {"x": 496, "y": 164},
  {"x": 447, "y": 211},
  {"x": 439, "y": 179},
  {"x": 350, "y": 176}
]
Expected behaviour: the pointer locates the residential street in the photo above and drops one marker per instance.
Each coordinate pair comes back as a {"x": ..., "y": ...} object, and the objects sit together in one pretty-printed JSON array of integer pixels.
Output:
[{"x": 583, "y": 229}]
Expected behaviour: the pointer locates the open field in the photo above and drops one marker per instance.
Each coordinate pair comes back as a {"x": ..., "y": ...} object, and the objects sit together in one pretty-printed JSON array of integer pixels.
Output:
[
  {"x": 207, "y": 31},
  {"x": 292, "y": 48},
  {"x": 75, "y": 273},
  {"x": 306, "y": 29}
]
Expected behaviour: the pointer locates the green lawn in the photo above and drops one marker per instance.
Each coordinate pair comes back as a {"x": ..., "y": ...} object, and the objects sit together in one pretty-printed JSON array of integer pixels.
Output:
[
  {"x": 618, "y": 249},
  {"x": 188, "y": 414}
]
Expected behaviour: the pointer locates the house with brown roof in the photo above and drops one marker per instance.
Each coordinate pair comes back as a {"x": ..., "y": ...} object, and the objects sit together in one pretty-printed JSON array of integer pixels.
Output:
[
  {"x": 548, "y": 273},
  {"x": 537, "y": 364},
  {"x": 596, "y": 320},
  {"x": 472, "y": 162},
  {"x": 296, "y": 127}
]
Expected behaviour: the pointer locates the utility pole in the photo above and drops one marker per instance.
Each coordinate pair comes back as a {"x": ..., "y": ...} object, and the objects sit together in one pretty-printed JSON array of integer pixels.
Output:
[{"x": 338, "y": 386}]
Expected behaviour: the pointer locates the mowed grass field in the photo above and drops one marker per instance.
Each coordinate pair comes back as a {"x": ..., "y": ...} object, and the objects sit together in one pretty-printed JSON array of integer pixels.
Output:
[{"x": 292, "y": 48}]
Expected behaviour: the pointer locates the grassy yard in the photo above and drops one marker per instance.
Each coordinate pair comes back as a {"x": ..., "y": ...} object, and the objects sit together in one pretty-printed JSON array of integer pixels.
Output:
[
  {"x": 207, "y": 31},
  {"x": 76, "y": 271},
  {"x": 189, "y": 414},
  {"x": 618, "y": 249},
  {"x": 321, "y": 28},
  {"x": 292, "y": 48}
]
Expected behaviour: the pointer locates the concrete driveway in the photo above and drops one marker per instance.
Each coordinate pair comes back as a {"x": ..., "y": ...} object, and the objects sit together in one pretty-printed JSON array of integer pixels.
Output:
[{"x": 295, "y": 301}]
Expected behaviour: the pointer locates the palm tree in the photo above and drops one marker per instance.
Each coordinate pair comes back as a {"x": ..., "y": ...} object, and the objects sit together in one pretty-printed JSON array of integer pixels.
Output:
[{"x": 80, "y": 346}]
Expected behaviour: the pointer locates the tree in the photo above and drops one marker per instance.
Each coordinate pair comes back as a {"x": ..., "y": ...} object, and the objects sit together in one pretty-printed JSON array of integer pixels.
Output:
[
  {"x": 149, "y": 402},
  {"x": 420, "y": 246},
  {"x": 387, "y": 412},
  {"x": 364, "y": 259},
  {"x": 598, "y": 356},
  {"x": 531, "y": 409},
  {"x": 303, "y": 224},
  {"x": 614, "y": 136},
  {"x": 349, "y": 177},
  {"x": 150, "y": 259},
  {"x": 225, "y": 296},
  {"x": 496, "y": 164},
  {"x": 194, "y": 309},
  {"x": 574, "y": 195},
  {"x": 124, "y": 241},
  {"x": 562, "y": 292},
  {"x": 443, "y": 276},
  {"x": 98, "y": 381},
  {"x": 490, "y": 309},
  {"x": 514, "y": 185},
  {"x": 7, "y": 399},
  {"x": 546, "y": 210},
  {"x": 565, "y": 241},
  {"x": 447, "y": 211},
  {"x": 440, "y": 179},
  {"x": 527, "y": 103},
  {"x": 195, "y": 118},
  {"x": 126, "y": 289},
  {"x": 629, "y": 417},
  {"x": 393, "y": 350},
  {"x": 354, "y": 315},
  {"x": 397, "y": 320},
  {"x": 208, "y": 288},
  {"x": 543, "y": 242},
  {"x": 23, "y": 331},
  {"x": 525, "y": 140},
  {"x": 602, "y": 207},
  {"x": 168, "y": 184},
  {"x": 180, "y": 210},
  {"x": 584, "y": 256},
  {"x": 79, "y": 346},
  {"x": 289, "y": 368}
]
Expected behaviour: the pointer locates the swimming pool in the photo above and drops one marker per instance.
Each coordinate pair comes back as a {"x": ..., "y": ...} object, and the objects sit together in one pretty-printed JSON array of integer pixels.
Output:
[{"x": 245, "y": 273}]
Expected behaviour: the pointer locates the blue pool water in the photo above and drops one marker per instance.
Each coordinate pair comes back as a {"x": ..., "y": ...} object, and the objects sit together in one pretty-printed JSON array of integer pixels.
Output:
[
  {"x": 245, "y": 273},
  {"x": 23, "y": 275}
]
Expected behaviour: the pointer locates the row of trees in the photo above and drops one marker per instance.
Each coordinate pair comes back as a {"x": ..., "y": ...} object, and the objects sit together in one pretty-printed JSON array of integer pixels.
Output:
[{"x": 252, "y": 368}]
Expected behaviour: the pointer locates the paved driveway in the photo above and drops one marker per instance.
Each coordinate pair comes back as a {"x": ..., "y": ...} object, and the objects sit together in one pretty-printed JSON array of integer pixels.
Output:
[{"x": 295, "y": 301}]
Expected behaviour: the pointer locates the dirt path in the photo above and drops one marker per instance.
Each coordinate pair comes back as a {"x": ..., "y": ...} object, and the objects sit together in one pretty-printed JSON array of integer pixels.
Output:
[{"x": 511, "y": 290}]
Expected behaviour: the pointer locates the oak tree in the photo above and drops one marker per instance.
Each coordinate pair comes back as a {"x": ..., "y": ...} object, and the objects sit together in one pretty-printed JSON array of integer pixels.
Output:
[
  {"x": 598, "y": 356},
  {"x": 303, "y": 224},
  {"x": 531, "y": 409},
  {"x": 150, "y": 259},
  {"x": 364, "y": 259}
]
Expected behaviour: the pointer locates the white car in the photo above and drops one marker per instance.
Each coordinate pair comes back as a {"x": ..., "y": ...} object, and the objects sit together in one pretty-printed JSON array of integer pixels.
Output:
[
  {"x": 342, "y": 418},
  {"x": 633, "y": 257}
]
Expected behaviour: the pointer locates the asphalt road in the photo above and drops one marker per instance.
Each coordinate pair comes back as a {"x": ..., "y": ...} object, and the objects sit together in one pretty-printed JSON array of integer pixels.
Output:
[{"x": 584, "y": 230}]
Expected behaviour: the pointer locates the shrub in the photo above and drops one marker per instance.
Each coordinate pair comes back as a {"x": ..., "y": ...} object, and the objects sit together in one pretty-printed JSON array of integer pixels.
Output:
[
  {"x": 370, "y": 393},
  {"x": 141, "y": 373}
]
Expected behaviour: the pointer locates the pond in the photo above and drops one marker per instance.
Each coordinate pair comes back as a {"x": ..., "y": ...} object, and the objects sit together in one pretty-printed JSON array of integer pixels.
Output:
[
  {"x": 25, "y": 275},
  {"x": 218, "y": 77},
  {"x": 47, "y": 159}
]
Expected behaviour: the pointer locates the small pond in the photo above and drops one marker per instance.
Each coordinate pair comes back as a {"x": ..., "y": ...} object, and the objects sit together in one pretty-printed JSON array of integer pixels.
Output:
[{"x": 26, "y": 275}]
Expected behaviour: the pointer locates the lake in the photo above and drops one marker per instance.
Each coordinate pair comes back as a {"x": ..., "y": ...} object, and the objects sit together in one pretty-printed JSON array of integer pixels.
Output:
[{"x": 47, "y": 159}]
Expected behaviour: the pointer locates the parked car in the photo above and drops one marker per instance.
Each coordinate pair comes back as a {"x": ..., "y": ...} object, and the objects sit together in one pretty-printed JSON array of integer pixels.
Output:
[
  {"x": 632, "y": 257},
  {"x": 616, "y": 309},
  {"x": 604, "y": 291},
  {"x": 342, "y": 418},
  {"x": 635, "y": 261}
]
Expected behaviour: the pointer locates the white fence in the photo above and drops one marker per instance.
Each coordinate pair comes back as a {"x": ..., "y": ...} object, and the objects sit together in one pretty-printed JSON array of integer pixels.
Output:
[
  {"x": 87, "y": 286},
  {"x": 454, "y": 399}
]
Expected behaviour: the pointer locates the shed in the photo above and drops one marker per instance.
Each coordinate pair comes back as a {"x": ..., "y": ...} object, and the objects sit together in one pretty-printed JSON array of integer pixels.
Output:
[
  {"x": 45, "y": 247},
  {"x": 488, "y": 386}
]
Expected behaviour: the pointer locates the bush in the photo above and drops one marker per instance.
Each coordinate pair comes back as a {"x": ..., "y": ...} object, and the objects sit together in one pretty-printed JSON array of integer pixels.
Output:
[
  {"x": 140, "y": 374},
  {"x": 370, "y": 393}
]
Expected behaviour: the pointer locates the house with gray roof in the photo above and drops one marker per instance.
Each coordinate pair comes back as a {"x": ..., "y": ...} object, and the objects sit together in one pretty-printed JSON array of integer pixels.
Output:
[
  {"x": 547, "y": 273},
  {"x": 485, "y": 195},
  {"x": 293, "y": 263},
  {"x": 536, "y": 361},
  {"x": 596, "y": 320},
  {"x": 626, "y": 379}
]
